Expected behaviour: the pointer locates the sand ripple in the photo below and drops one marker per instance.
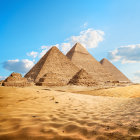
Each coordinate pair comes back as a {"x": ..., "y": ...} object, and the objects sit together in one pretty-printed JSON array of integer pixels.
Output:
[{"x": 26, "y": 114}]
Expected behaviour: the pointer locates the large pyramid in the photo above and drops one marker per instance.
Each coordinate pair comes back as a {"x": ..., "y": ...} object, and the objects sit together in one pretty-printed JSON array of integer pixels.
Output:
[
  {"x": 118, "y": 75},
  {"x": 82, "y": 78},
  {"x": 82, "y": 59},
  {"x": 55, "y": 62}
]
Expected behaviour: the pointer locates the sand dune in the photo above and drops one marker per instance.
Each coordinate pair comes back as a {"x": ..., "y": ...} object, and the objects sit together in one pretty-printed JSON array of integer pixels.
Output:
[{"x": 41, "y": 113}]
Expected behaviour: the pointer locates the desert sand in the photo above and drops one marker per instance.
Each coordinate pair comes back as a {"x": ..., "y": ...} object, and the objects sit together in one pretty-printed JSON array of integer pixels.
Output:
[{"x": 68, "y": 113}]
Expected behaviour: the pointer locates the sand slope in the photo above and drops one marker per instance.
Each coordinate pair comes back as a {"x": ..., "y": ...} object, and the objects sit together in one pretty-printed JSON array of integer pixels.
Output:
[
  {"x": 40, "y": 113},
  {"x": 131, "y": 91}
]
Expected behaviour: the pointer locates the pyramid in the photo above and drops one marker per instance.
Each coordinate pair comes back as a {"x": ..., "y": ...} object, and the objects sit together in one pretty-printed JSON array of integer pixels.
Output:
[
  {"x": 50, "y": 79},
  {"x": 55, "y": 62},
  {"x": 16, "y": 79},
  {"x": 82, "y": 78},
  {"x": 82, "y": 59},
  {"x": 118, "y": 75}
]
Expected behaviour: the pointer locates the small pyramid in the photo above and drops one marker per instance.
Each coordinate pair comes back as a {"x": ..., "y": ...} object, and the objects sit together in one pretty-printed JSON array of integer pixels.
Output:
[
  {"x": 82, "y": 59},
  {"x": 118, "y": 75},
  {"x": 15, "y": 79},
  {"x": 54, "y": 61},
  {"x": 50, "y": 79},
  {"x": 82, "y": 78}
]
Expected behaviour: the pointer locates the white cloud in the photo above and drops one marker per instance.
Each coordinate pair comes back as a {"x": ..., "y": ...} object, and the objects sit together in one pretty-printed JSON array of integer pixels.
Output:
[
  {"x": 136, "y": 77},
  {"x": 65, "y": 47},
  {"x": 21, "y": 66},
  {"x": 88, "y": 38},
  {"x": 137, "y": 73},
  {"x": 2, "y": 78},
  {"x": 84, "y": 25},
  {"x": 33, "y": 54},
  {"x": 126, "y": 54}
]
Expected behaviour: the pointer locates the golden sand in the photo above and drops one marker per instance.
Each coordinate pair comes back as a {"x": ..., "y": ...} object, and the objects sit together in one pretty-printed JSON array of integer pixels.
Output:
[{"x": 41, "y": 113}]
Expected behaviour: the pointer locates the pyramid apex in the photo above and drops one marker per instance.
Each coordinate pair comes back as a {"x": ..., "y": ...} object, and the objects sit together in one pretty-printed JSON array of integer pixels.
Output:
[
  {"x": 115, "y": 72},
  {"x": 82, "y": 70},
  {"x": 77, "y": 48},
  {"x": 78, "y": 45},
  {"x": 54, "y": 48},
  {"x": 104, "y": 59}
]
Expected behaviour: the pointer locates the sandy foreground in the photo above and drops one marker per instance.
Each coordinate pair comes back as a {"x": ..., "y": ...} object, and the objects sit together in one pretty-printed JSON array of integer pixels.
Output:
[{"x": 42, "y": 113}]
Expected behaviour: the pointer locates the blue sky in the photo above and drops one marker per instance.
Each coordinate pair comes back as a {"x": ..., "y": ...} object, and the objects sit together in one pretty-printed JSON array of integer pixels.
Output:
[{"x": 111, "y": 25}]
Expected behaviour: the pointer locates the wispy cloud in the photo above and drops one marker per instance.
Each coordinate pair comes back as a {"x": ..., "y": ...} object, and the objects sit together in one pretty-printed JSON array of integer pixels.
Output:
[
  {"x": 89, "y": 38},
  {"x": 21, "y": 66},
  {"x": 2, "y": 77},
  {"x": 126, "y": 54},
  {"x": 84, "y": 25},
  {"x": 136, "y": 77},
  {"x": 32, "y": 54},
  {"x": 137, "y": 74}
]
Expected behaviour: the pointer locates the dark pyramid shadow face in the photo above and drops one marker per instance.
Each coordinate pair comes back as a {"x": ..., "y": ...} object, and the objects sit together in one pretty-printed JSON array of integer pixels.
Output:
[
  {"x": 54, "y": 61},
  {"x": 117, "y": 74},
  {"x": 84, "y": 60}
]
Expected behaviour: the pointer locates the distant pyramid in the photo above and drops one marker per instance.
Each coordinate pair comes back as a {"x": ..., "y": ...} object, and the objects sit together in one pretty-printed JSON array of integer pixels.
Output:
[
  {"x": 82, "y": 59},
  {"x": 16, "y": 79},
  {"x": 82, "y": 78},
  {"x": 118, "y": 75},
  {"x": 55, "y": 62}
]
